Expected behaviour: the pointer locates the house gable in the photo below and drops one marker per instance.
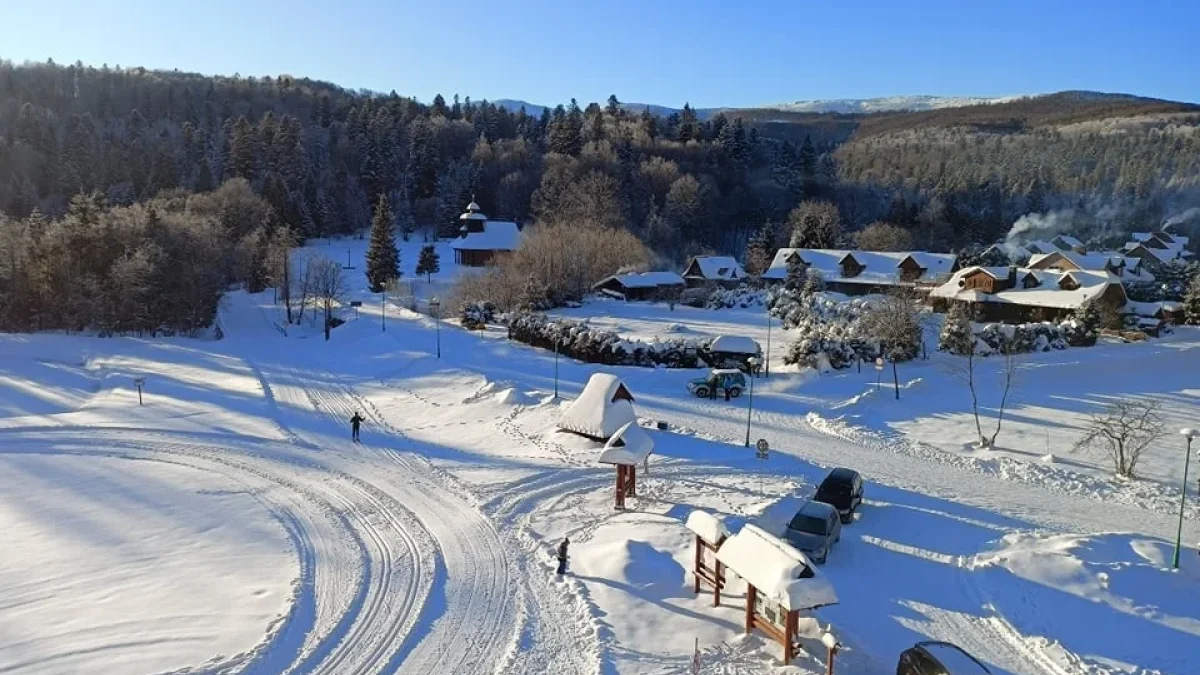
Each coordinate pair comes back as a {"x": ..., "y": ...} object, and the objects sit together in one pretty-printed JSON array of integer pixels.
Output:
[
  {"x": 850, "y": 266},
  {"x": 910, "y": 269},
  {"x": 1068, "y": 283}
]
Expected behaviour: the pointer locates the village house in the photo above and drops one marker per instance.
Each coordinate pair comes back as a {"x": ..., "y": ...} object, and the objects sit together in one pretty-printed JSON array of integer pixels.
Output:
[
  {"x": 641, "y": 286},
  {"x": 864, "y": 272},
  {"x": 1065, "y": 242},
  {"x": 712, "y": 270},
  {"x": 1129, "y": 269},
  {"x": 1019, "y": 295},
  {"x": 482, "y": 241}
]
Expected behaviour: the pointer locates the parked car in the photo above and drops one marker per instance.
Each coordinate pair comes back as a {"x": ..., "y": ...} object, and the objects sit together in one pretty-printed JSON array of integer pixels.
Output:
[
  {"x": 814, "y": 529},
  {"x": 721, "y": 379},
  {"x": 938, "y": 658},
  {"x": 843, "y": 490}
]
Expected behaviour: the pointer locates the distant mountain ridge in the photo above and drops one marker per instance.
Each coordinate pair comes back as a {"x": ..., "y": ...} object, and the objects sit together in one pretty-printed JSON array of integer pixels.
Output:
[{"x": 850, "y": 106}]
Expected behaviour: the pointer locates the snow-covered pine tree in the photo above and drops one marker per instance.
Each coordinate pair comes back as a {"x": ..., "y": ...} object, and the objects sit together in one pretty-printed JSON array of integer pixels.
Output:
[
  {"x": 1191, "y": 302},
  {"x": 429, "y": 263},
  {"x": 383, "y": 258},
  {"x": 956, "y": 336}
]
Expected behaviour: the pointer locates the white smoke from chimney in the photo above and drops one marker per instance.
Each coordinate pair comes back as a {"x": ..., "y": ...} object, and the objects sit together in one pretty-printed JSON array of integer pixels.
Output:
[
  {"x": 1035, "y": 226},
  {"x": 1192, "y": 214}
]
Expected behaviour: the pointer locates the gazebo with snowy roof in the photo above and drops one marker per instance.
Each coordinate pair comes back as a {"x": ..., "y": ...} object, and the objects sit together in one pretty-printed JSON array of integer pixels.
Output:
[
  {"x": 604, "y": 406},
  {"x": 627, "y": 448},
  {"x": 780, "y": 583}
]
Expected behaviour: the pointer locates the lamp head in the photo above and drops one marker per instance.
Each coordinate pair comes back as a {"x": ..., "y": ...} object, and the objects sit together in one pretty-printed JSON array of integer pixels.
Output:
[{"x": 1190, "y": 433}]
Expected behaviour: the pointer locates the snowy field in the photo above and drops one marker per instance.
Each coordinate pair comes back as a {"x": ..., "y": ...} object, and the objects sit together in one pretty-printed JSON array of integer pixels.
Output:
[{"x": 228, "y": 525}]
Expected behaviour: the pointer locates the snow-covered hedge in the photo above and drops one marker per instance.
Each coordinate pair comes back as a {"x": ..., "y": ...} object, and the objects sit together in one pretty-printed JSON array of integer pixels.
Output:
[
  {"x": 959, "y": 334},
  {"x": 580, "y": 341},
  {"x": 742, "y": 296},
  {"x": 831, "y": 330}
]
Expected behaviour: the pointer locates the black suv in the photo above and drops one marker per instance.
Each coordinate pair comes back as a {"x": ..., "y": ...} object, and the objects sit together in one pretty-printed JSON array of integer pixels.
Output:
[
  {"x": 938, "y": 658},
  {"x": 843, "y": 490}
]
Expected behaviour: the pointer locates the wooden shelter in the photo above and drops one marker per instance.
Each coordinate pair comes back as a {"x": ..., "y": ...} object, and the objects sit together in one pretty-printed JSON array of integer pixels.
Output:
[
  {"x": 627, "y": 448},
  {"x": 780, "y": 583},
  {"x": 603, "y": 407},
  {"x": 710, "y": 533}
]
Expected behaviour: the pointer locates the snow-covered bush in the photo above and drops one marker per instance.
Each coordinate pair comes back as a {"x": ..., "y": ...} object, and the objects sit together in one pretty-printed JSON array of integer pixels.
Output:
[
  {"x": 1002, "y": 338},
  {"x": 830, "y": 328},
  {"x": 580, "y": 341},
  {"x": 742, "y": 296},
  {"x": 476, "y": 315},
  {"x": 956, "y": 336}
]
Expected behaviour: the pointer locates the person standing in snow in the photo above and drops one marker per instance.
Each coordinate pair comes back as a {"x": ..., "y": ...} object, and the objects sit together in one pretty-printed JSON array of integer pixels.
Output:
[
  {"x": 355, "y": 423},
  {"x": 562, "y": 556}
]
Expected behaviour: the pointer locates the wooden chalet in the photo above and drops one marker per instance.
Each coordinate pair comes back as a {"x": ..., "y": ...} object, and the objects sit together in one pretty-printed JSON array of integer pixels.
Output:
[
  {"x": 712, "y": 271},
  {"x": 641, "y": 286},
  {"x": 863, "y": 272},
  {"x": 1019, "y": 295}
]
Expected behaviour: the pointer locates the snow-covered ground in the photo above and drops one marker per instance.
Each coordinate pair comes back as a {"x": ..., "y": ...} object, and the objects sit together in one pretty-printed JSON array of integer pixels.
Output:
[{"x": 229, "y": 524}]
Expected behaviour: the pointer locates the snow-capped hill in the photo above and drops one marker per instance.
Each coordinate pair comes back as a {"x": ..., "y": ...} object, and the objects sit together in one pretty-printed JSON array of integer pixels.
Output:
[{"x": 886, "y": 103}]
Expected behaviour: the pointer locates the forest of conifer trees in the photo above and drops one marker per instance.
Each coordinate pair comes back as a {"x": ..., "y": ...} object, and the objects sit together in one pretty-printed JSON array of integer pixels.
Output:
[{"x": 92, "y": 154}]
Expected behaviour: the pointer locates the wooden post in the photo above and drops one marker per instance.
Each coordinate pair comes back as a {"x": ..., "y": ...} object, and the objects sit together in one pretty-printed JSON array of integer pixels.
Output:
[
  {"x": 829, "y": 661},
  {"x": 717, "y": 586},
  {"x": 699, "y": 562},
  {"x": 751, "y": 592},
  {"x": 631, "y": 476},
  {"x": 789, "y": 633},
  {"x": 620, "y": 487}
]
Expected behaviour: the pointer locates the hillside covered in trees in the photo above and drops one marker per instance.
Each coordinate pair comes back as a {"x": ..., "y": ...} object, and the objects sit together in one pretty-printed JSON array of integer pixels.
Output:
[{"x": 138, "y": 145}]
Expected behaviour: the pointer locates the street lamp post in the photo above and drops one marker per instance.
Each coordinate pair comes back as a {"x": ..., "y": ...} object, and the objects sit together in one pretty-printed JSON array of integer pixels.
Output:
[
  {"x": 435, "y": 306},
  {"x": 1189, "y": 434},
  {"x": 754, "y": 363},
  {"x": 767, "y": 367},
  {"x": 383, "y": 311}
]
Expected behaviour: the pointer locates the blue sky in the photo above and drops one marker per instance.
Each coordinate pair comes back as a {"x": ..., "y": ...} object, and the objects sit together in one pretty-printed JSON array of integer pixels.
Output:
[{"x": 707, "y": 52}]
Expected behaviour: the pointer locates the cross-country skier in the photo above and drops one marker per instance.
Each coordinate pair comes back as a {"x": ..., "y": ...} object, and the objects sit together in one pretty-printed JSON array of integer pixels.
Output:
[{"x": 355, "y": 423}]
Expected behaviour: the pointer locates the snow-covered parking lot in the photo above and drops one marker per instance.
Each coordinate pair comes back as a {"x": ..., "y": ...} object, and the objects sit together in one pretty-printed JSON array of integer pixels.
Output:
[{"x": 229, "y": 524}]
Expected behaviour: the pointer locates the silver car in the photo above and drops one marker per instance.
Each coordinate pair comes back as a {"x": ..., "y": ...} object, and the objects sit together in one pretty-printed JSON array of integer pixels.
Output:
[{"x": 814, "y": 529}]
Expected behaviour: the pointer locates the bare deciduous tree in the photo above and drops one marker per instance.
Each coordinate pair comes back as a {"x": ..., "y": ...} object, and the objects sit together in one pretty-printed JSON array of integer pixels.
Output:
[
  {"x": 328, "y": 287},
  {"x": 964, "y": 369},
  {"x": 881, "y": 236},
  {"x": 1123, "y": 430}
]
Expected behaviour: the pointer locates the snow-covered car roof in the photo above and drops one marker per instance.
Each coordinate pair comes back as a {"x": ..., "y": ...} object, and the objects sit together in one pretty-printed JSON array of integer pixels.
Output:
[
  {"x": 734, "y": 344},
  {"x": 956, "y": 661}
]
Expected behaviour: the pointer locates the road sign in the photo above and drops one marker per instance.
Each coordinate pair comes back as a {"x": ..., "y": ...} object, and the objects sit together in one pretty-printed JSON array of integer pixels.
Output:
[
  {"x": 762, "y": 448},
  {"x": 356, "y": 303},
  {"x": 879, "y": 363}
]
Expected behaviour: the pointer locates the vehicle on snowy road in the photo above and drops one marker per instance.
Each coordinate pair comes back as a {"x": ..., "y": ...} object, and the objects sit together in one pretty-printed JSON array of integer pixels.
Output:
[
  {"x": 814, "y": 529},
  {"x": 843, "y": 490},
  {"x": 720, "y": 379},
  {"x": 933, "y": 657}
]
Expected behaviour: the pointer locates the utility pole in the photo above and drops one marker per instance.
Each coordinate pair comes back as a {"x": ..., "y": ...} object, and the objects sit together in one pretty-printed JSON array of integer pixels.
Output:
[
  {"x": 767, "y": 367},
  {"x": 383, "y": 311},
  {"x": 556, "y": 366}
]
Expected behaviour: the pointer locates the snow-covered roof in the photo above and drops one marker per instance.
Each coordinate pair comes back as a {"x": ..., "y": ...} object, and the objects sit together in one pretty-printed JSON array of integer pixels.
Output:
[
  {"x": 780, "y": 572},
  {"x": 1091, "y": 261},
  {"x": 644, "y": 280},
  {"x": 497, "y": 235},
  {"x": 1152, "y": 308},
  {"x": 715, "y": 267},
  {"x": 734, "y": 344},
  {"x": 1047, "y": 294},
  {"x": 880, "y": 268},
  {"x": 601, "y": 409},
  {"x": 1039, "y": 247},
  {"x": 1070, "y": 241},
  {"x": 631, "y": 445},
  {"x": 707, "y": 526},
  {"x": 474, "y": 212}
]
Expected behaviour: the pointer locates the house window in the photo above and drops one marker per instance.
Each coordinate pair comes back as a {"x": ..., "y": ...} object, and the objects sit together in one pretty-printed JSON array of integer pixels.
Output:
[
  {"x": 723, "y": 271},
  {"x": 1030, "y": 281}
]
